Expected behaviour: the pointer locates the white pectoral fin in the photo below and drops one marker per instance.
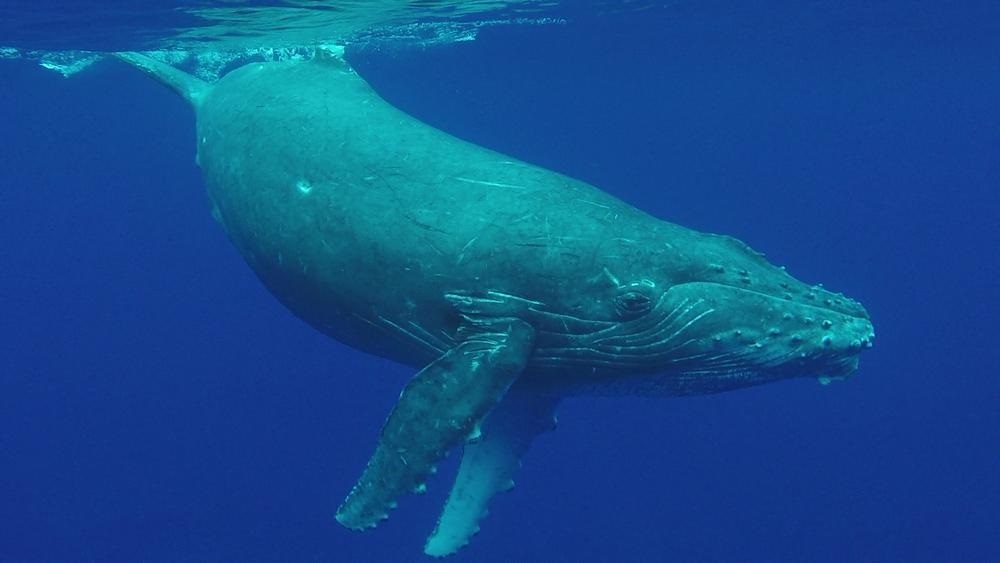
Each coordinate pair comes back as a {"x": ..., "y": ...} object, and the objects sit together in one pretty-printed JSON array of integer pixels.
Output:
[
  {"x": 488, "y": 466},
  {"x": 439, "y": 409}
]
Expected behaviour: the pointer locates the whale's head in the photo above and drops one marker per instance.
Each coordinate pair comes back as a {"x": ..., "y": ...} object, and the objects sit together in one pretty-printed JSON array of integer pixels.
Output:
[{"x": 713, "y": 315}]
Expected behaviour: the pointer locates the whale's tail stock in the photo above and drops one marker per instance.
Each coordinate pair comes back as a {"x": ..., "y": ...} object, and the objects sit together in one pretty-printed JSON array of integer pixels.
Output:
[{"x": 191, "y": 88}]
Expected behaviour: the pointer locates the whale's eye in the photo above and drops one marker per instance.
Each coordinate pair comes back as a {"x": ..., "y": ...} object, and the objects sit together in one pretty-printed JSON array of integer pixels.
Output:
[{"x": 632, "y": 304}]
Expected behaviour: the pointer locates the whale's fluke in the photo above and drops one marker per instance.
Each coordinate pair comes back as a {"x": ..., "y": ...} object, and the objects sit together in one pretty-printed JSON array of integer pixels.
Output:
[{"x": 191, "y": 88}]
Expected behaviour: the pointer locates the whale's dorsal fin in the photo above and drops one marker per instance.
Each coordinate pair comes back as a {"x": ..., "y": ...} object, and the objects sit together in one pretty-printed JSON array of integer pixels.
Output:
[
  {"x": 191, "y": 88},
  {"x": 440, "y": 408}
]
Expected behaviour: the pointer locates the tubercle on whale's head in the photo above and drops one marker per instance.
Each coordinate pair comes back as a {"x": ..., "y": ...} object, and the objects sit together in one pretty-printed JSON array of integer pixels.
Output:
[
  {"x": 766, "y": 320},
  {"x": 717, "y": 309},
  {"x": 724, "y": 331}
]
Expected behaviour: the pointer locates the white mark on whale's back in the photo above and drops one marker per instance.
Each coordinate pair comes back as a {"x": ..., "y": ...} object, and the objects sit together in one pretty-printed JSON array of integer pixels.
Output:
[
  {"x": 304, "y": 187},
  {"x": 485, "y": 183}
]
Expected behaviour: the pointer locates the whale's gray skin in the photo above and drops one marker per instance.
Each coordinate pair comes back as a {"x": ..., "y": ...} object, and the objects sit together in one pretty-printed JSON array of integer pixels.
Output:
[{"x": 508, "y": 286}]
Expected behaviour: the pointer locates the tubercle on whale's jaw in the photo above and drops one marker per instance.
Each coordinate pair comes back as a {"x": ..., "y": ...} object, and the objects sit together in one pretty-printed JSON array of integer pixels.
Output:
[
  {"x": 704, "y": 337},
  {"x": 572, "y": 383},
  {"x": 568, "y": 381}
]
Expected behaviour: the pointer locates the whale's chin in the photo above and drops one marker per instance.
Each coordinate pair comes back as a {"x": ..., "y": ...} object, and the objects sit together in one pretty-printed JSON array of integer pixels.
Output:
[{"x": 691, "y": 382}]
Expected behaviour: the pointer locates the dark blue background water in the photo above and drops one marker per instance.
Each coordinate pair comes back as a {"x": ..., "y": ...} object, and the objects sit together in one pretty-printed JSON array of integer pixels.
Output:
[{"x": 157, "y": 404}]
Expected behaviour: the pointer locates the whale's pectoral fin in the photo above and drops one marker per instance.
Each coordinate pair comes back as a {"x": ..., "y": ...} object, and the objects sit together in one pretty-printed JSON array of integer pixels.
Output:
[
  {"x": 439, "y": 409},
  {"x": 488, "y": 466}
]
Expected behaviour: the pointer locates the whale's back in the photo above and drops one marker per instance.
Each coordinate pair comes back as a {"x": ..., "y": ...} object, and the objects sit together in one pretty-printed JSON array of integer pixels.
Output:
[{"x": 352, "y": 211}]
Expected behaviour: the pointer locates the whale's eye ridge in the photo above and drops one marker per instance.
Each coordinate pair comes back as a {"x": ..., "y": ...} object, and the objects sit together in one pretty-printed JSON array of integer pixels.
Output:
[{"x": 632, "y": 304}]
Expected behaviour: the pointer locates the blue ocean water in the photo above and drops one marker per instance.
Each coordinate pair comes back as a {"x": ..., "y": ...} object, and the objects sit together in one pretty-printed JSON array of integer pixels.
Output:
[{"x": 158, "y": 404}]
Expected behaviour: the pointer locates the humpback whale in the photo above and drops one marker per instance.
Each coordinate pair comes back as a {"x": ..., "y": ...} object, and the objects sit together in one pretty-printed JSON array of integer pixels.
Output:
[{"x": 506, "y": 286}]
